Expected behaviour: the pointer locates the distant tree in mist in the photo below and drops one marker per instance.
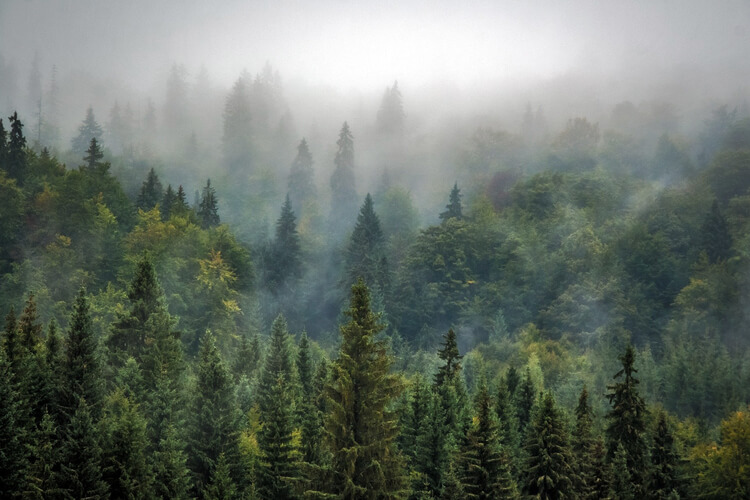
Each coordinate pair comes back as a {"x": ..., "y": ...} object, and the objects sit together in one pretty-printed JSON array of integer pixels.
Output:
[
  {"x": 237, "y": 134},
  {"x": 176, "y": 116},
  {"x": 15, "y": 159},
  {"x": 284, "y": 258},
  {"x": 453, "y": 208},
  {"x": 89, "y": 129},
  {"x": 94, "y": 155},
  {"x": 365, "y": 255},
  {"x": 151, "y": 191},
  {"x": 301, "y": 177},
  {"x": 343, "y": 191},
  {"x": 390, "y": 119},
  {"x": 208, "y": 211}
]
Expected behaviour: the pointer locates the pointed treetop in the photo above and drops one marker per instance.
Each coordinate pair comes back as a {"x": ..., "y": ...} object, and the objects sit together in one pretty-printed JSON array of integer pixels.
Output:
[{"x": 454, "y": 210}]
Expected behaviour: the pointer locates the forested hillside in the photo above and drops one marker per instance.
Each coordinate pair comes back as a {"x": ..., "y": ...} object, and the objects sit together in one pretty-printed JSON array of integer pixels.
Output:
[{"x": 570, "y": 324}]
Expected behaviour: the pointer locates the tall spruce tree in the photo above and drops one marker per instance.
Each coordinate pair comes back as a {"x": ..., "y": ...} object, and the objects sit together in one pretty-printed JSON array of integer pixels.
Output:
[
  {"x": 279, "y": 471},
  {"x": 627, "y": 422},
  {"x": 213, "y": 422},
  {"x": 237, "y": 128},
  {"x": 715, "y": 238},
  {"x": 151, "y": 192},
  {"x": 507, "y": 424},
  {"x": 82, "y": 367},
  {"x": 14, "y": 458},
  {"x": 301, "y": 182},
  {"x": 365, "y": 256},
  {"x": 308, "y": 415},
  {"x": 663, "y": 479},
  {"x": 343, "y": 191},
  {"x": 167, "y": 202},
  {"x": 549, "y": 469},
  {"x": 448, "y": 353},
  {"x": 15, "y": 161},
  {"x": 583, "y": 447},
  {"x": 524, "y": 401},
  {"x": 434, "y": 445},
  {"x": 485, "y": 468},
  {"x": 284, "y": 258},
  {"x": 3, "y": 146},
  {"x": 453, "y": 208},
  {"x": 81, "y": 457},
  {"x": 89, "y": 129},
  {"x": 208, "y": 211},
  {"x": 94, "y": 156},
  {"x": 360, "y": 426}
]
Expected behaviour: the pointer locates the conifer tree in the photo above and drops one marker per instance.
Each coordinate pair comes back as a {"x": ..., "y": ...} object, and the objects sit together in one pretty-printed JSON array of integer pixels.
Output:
[
  {"x": 13, "y": 436},
  {"x": 663, "y": 475},
  {"x": 246, "y": 357},
  {"x": 82, "y": 369},
  {"x": 361, "y": 428},
  {"x": 452, "y": 487},
  {"x": 3, "y": 146},
  {"x": 213, "y": 426},
  {"x": 167, "y": 202},
  {"x": 308, "y": 414},
  {"x": 237, "y": 127},
  {"x": 44, "y": 472},
  {"x": 622, "y": 486},
  {"x": 418, "y": 403},
  {"x": 301, "y": 182},
  {"x": 171, "y": 475},
  {"x": 485, "y": 468},
  {"x": 151, "y": 192},
  {"x": 512, "y": 379},
  {"x": 81, "y": 470},
  {"x": 448, "y": 353},
  {"x": 365, "y": 256},
  {"x": 30, "y": 328},
  {"x": 284, "y": 260},
  {"x": 15, "y": 162},
  {"x": 434, "y": 445},
  {"x": 221, "y": 486},
  {"x": 12, "y": 343},
  {"x": 550, "y": 472},
  {"x": 125, "y": 467},
  {"x": 180, "y": 206},
  {"x": 278, "y": 468},
  {"x": 208, "y": 211},
  {"x": 87, "y": 131},
  {"x": 390, "y": 119},
  {"x": 453, "y": 208},
  {"x": 524, "y": 402},
  {"x": 507, "y": 424},
  {"x": 627, "y": 421},
  {"x": 601, "y": 473},
  {"x": 94, "y": 156},
  {"x": 583, "y": 444},
  {"x": 343, "y": 191}
]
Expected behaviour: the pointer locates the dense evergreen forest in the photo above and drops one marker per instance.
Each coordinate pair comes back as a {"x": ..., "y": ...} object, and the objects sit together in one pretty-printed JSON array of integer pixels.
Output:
[{"x": 566, "y": 318}]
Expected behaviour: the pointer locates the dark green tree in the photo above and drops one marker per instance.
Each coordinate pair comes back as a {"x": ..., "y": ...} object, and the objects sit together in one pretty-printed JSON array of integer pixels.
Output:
[
  {"x": 360, "y": 426},
  {"x": 485, "y": 467},
  {"x": 30, "y": 328},
  {"x": 88, "y": 130},
  {"x": 82, "y": 367},
  {"x": 15, "y": 161},
  {"x": 453, "y": 208},
  {"x": 343, "y": 191},
  {"x": 310, "y": 418},
  {"x": 180, "y": 206},
  {"x": 448, "y": 353},
  {"x": 413, "y": 418},
  {"x": 512, "y": 379},
  {"x": 549, "y": 468},
  {"x": 208, "y": 211},
  {"x": 213, "y": 423},
  {"x": 663, "y": 478},
  {"x": 627, "y": 422},
  {"x": 14, "y": 459},
  {"x": 452, "y": 487},
  {"x": 434, "y": 444},
  {"x": 44, "y": 472},
  {"x": 171, "y": 475},
  {"x": 622, "y": 486},
  {"x": 151, "y": 192},
  {"x": 3, "y": 146},
  {"x": 221, "y": 486},
  {"x": 94, "y": 156},
  {"x": 301, "y": 182},
  {"x": 278, "y": 468},
  {"x": 167, "y": 202},
  {"x": 284, "y": 258},
  {"x": 506, "y": 421},
  {"x": 81, "y": 455},
  {"x": 524, "y": 401},
  {"x": 365, "y": 256},
  {"x": 583, "y": 443}
]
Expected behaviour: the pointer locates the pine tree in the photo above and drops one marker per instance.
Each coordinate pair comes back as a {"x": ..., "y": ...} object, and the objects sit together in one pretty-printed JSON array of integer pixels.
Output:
[
  {"x": 124, "y": 463},
  {"x": 453, "y": 207},
  {"x": 507, "y": 424},
  {"x": 88, "y": 130},
  {"x": 549, "y": 465},
  {"x": 12, "y": 344},
  {"x": 3, "y": 146},
  {"x": 512, "y": 379},
  {"x": 284, "y": 260},
  {"x": 16, "y": 162},
  {"x": 433, "y": 445},
  {"x": 151, "y": 192},
  {"x": 14, "y": 454},
  {"x": 237, "y": 132},
  {"x": 308, "y": 414},
  {"x": 451, "y": 359},
  {"x": 208, "y": 212},
  {"x": 44, "y": 472},
  {"x": 343, "y": 191},
  {"x": 361, "y": 428},
  {"x": 663, "y": 475},
  {"x": 221, "y": 486},
  {"x": 180, "y": 206},
  {"x": 601, "y": 478},
  {"x": 622, "y": 486},
  {"x": 171, "y": 475},
  {"x": 81, "y": 472},
  {"x": 452, "y": 487},
  {"x": 94, "y": 155},
  {"x": 213, "y": 427},
  {"x": 365, "y": 256},
  {"x": 524, "y": 402},
  {"x": 301, "y": 182},
  {"x": 627, "y": 421},
  {"x": 167, "y": 202},
  {"x": 82, "y": 370},
  {"x": 30, "y": 329},
  {"x": 485, "y": 469},
  {"x": 583, "y": 444},
  {"x": 390, "y": 119}
]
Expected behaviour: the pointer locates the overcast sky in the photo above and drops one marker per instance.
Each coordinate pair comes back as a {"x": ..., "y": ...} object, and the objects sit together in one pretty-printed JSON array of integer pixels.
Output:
[{"x": 365, "y": 44}]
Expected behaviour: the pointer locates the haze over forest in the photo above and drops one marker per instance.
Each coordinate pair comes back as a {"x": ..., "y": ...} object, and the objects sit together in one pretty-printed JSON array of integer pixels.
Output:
[{"x": 349, "y": 249}]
